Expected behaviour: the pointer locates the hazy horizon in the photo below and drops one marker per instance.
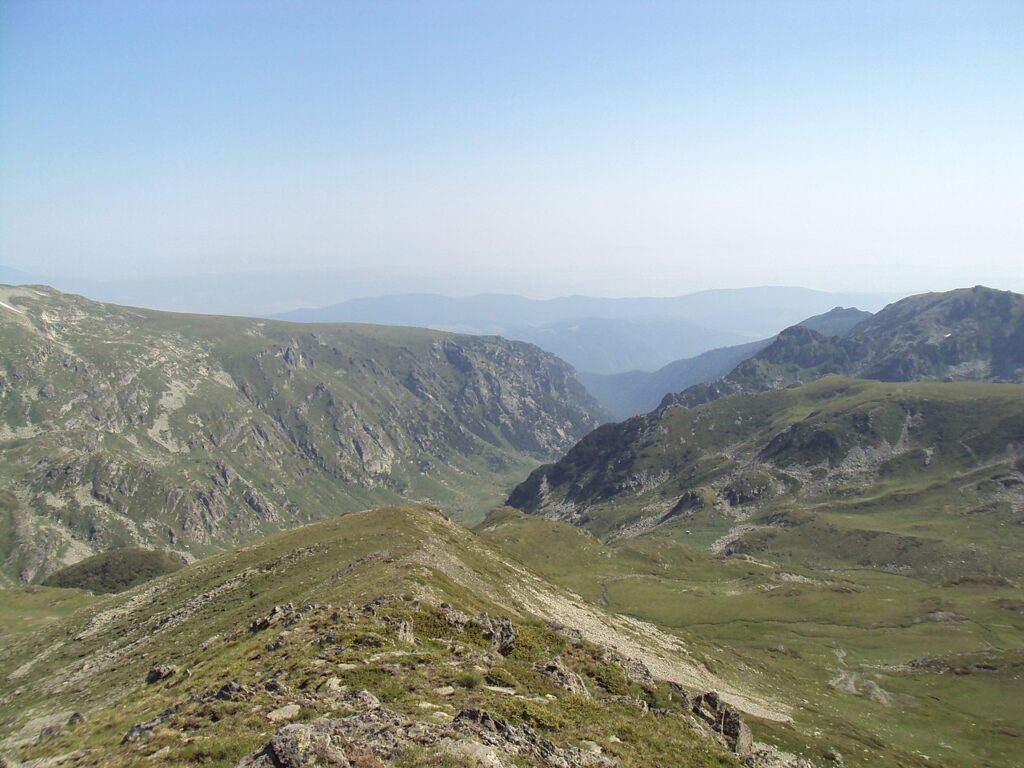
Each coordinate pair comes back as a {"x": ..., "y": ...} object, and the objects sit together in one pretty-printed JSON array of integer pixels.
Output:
[{"x": 601, "y": 149}]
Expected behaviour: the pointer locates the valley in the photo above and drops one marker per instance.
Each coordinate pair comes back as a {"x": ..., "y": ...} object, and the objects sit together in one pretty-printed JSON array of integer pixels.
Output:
[{"x": 838, "y": 559}]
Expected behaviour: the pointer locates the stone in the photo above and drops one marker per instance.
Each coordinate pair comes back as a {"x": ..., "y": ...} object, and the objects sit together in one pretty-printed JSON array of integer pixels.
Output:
[
  {"x": 281, "y": 714},
  {"x": 332, "y": 686},
  {"x": 564, "y": 677},
  {"x": 405, "y": 633},
  {"x": 232, "y": 691},
  {"x": 476, "y": 753},
  {"x": 319, "y": 744},
  {"x": 445, "y": 690},
  {"x": 454, "y": 617},
  {"x": 501, "y": 632},
  {"x": 680, "y": 696},
  {"x": 277, "y": 613},
  {"x": 160, "y": 672}
]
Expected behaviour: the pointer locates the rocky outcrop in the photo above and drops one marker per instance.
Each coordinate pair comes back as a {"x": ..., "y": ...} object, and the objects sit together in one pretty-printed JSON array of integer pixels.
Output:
[
  {"x": 564, "y": 677},
  {"x": 501, "y": 632},
  {"x": 377, "y": 736},
  {"x": 725, "y": 720}
]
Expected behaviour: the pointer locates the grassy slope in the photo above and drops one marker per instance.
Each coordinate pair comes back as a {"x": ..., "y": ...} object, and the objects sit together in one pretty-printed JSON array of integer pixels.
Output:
[
  {"x": 910, "y": 550},
  {"x": 121, "y": 427},
  {"x": 798, "y": 629},
  {"x": 95, "y": 661},
  {"x": 924, "y": 476}
]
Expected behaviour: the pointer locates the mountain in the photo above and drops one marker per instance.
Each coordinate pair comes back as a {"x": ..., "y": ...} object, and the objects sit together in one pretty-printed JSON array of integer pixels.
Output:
[
  {"x": 628, "y": 394},
  {"x": 838, "y": 321},
  {"x": 391, "y": 637},
  {"x": 858, "y": 543},
  {"x": 124, "y": 427},
  {"x": 761, "y": 470},
  {"x": 599, "y": 335},
  {"x": 969, "y": 334},
  {"x": 224, "y": 293},
  {"x": 634, "y": 392}
]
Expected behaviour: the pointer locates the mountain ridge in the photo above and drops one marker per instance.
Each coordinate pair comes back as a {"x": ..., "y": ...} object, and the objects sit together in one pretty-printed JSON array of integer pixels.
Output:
[
  {"x": 226, "y": 660},
  {"x": 968, "y": 334},
  {"x": 127, "y": 427}
]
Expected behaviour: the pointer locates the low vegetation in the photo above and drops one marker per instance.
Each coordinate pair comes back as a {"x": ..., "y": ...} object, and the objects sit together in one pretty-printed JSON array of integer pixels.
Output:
[{"x": 116, "y": 570}]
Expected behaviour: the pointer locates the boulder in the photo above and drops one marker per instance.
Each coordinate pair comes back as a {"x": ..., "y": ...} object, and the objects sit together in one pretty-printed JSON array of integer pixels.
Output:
[
  {"x": 318, "y": 744},
  {"x": 281, "y": 714},
  {"x": 160, "y": 672},
  {"x": 724, "y": 720},
  {"x": 564, "y": 677},
  {"x": 501, "y": 632}
]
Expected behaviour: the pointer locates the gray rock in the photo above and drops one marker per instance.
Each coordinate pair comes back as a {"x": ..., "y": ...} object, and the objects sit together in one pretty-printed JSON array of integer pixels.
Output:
[
  {"x": 277, "y": 613},
  {"x": 724, "y": 720},
  {"x": 405, "y": 633},
  {"x": 287, "y": 712},
  {"x": 160, "y": 672},
  {"x": 232, "y": 691},
  {"x": 501, "y": 632},
  {"x": 319, "y": 744},
  {"x": 564, "y": 677}
]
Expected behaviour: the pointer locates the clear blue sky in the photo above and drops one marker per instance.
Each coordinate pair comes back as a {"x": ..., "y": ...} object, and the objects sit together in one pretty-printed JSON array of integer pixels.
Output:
[{"x": 608, "y": 148}]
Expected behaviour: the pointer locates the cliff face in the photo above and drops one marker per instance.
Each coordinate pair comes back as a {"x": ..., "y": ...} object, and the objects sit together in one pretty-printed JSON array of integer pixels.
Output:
[{"x": 124, "y": 427}]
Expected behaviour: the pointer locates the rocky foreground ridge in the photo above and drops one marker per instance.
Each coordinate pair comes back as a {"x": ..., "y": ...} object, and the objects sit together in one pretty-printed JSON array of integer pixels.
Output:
[{"x": 459, "y": 662}]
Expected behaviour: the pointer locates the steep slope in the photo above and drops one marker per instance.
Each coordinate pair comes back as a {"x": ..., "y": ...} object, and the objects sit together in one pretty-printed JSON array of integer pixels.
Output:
[
  {"x": 384, "y": 638},
  {"x": 126, "y": 427},
  {"x": 635, "y": 392},
  {"x": 838, "y": 471},
  {"x": 969, "y": 334}
]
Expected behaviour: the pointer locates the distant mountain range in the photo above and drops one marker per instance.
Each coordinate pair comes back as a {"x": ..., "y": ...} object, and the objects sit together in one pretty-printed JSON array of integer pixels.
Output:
[
  {"x": 600, "y": 335},
  {"x": 595, "y": 335},
  {"x": 628, "y": 394}
]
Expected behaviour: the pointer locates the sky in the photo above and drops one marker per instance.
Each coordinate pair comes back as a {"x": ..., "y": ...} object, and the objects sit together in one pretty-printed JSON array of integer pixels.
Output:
[{"x": 544, "y": 148}]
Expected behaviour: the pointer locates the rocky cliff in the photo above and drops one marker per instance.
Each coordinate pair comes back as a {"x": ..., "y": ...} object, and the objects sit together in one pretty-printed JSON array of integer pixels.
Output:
[{"x": 126, "y": 427}]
